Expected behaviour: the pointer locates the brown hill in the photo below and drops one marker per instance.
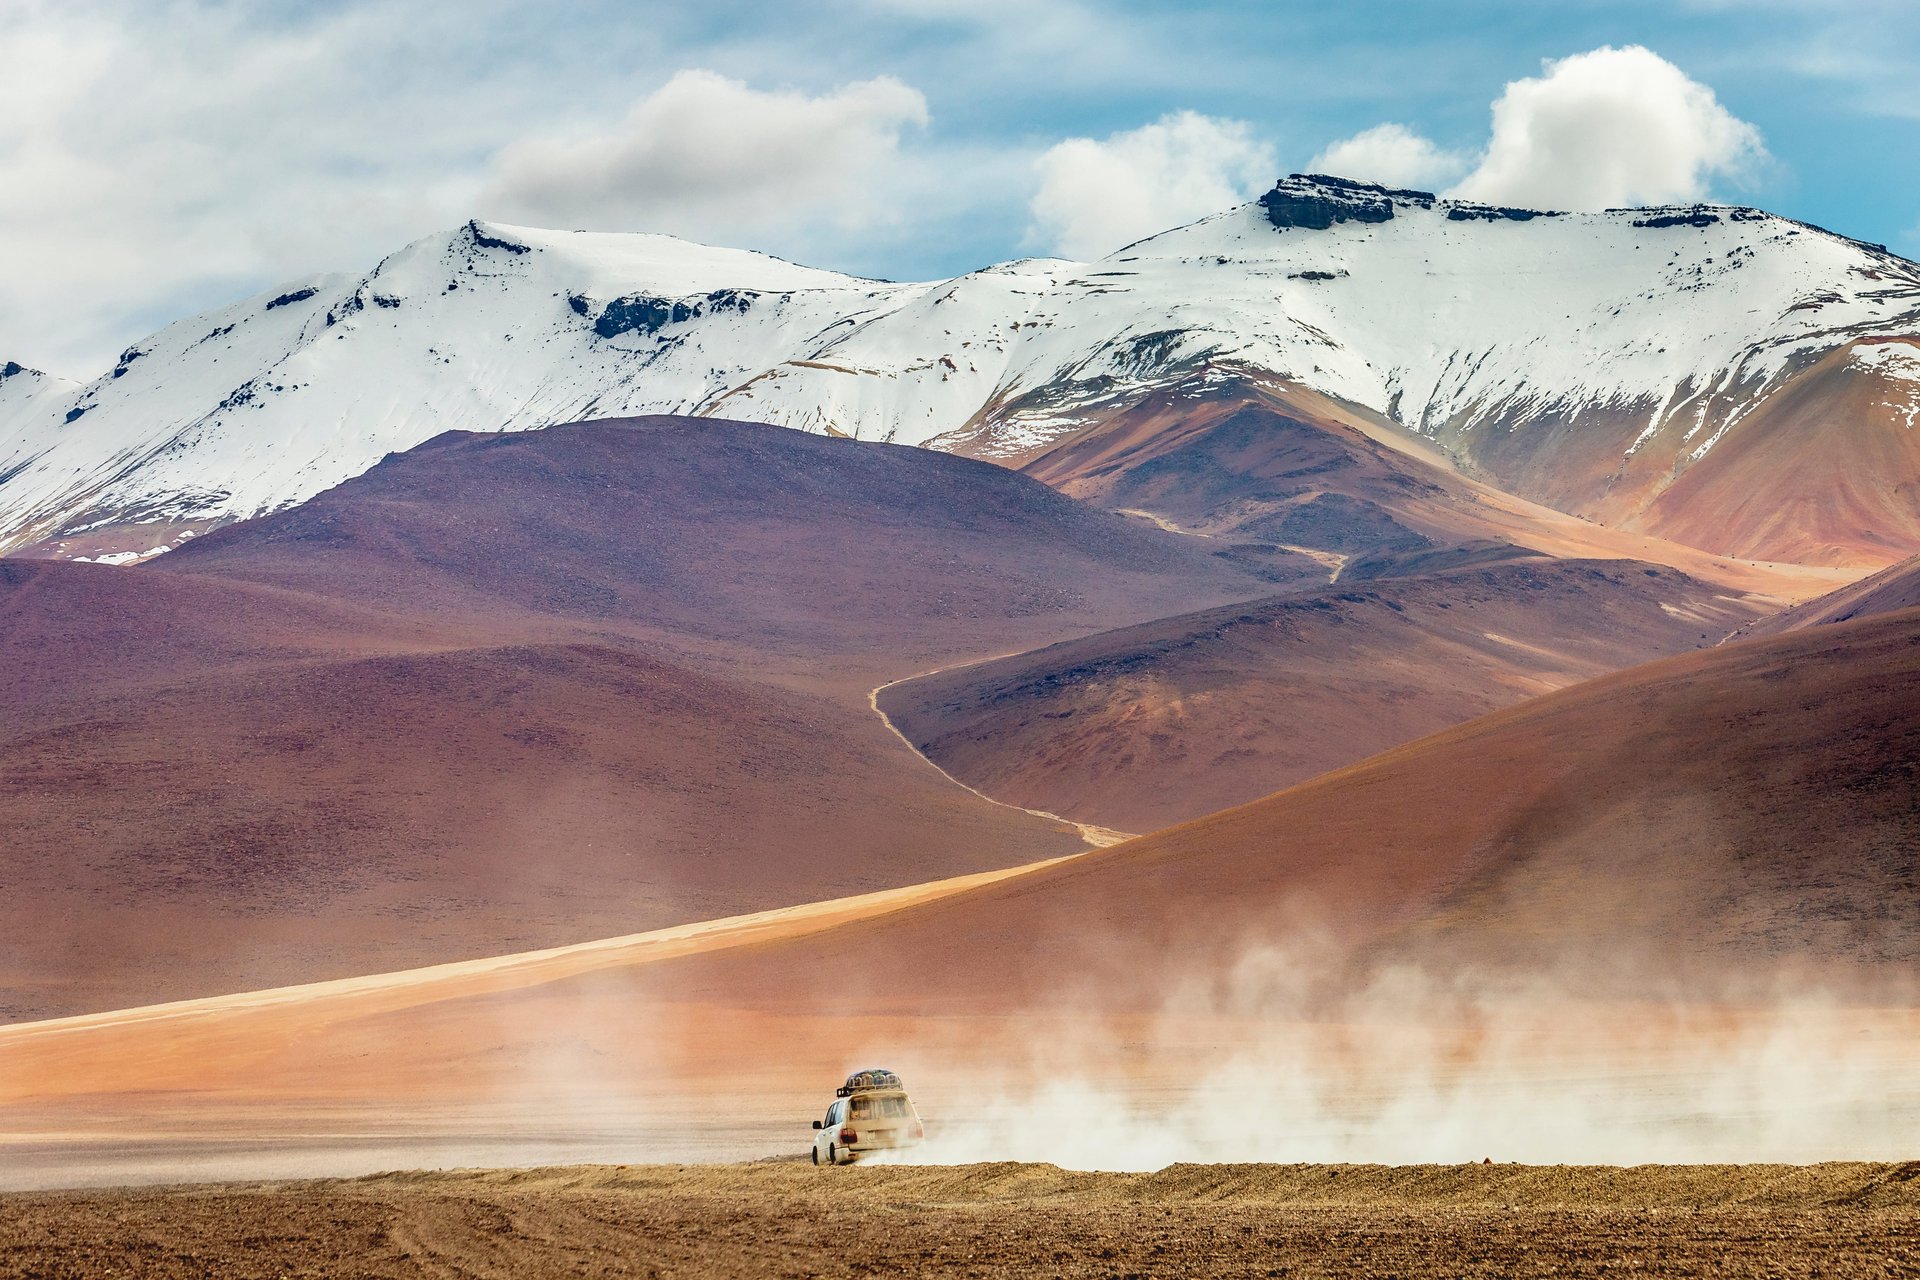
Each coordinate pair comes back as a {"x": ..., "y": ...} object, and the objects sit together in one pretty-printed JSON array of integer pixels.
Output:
[
  {"x": 519, "y": 690},
  {"x": 1812, "y": 466},
  {"x": 1164, "y": 721},
  {"x": 1678, "y": 838},
  {"x": 1819, "y": 473},
  {"x": 1240, "y": 458},
  {"x": 1731, "y": 813},
  {"x": 337, "y": 817},
  {"x": 1894, "y": 588},
  {"x": 760, "y": 538},
  {"x": 1246, "y": 459}
]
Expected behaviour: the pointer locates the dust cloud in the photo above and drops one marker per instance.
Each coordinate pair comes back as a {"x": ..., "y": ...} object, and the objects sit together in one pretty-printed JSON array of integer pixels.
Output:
[{"x": 1414, "y": 1065}]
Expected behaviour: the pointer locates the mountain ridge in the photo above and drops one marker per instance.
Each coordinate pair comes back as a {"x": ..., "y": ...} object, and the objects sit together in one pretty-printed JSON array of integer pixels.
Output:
[{"x": 1591, "y": 361}]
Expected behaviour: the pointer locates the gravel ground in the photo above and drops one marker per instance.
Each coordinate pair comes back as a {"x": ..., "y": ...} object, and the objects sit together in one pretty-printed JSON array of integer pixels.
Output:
[{"x": 778, "y": 1219}]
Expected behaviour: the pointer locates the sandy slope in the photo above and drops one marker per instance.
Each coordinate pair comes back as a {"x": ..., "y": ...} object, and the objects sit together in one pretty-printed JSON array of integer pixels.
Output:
[
  {"x": 1733, "y": 811},
  {"x": 348, "y": 998}
]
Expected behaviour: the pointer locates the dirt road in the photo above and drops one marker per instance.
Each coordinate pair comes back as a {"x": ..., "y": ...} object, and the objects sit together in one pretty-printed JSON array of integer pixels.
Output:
[{"x": 783, "y": 1219}]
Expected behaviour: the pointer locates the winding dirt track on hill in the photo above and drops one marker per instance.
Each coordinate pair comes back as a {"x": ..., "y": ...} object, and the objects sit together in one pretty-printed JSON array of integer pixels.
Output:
[
  {"x": 1096, "y": 836},
  {"x": 995, "y": 1220}
]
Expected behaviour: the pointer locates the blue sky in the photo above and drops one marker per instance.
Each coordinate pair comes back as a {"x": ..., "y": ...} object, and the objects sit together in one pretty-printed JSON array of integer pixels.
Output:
[{"x": 161, "y": 156}]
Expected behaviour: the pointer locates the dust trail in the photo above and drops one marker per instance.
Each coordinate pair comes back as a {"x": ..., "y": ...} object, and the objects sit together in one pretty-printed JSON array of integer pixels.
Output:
[{"x": 1423, "y": 1067}]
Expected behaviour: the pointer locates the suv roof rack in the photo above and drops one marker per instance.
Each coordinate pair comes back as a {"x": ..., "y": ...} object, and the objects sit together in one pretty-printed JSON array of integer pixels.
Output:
[{"x": 868, "y": 1081}]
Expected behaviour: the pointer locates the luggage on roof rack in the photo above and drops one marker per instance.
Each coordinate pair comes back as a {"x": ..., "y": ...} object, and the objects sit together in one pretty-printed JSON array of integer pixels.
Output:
[{"x": 867, "y": 1081}]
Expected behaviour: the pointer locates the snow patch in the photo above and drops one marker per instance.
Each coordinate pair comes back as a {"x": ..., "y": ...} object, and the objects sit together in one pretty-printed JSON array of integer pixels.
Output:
[
  {"x": 1888, "y": 359},
  {"x": 1898, "y": 362}
]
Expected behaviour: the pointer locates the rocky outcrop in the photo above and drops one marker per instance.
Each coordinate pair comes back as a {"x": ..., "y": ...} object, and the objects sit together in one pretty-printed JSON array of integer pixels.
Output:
[
  {"x": 481, "y": 240},
  {"x": 1496, "y": 213},
  {"x": 288, "y": 299},
  {"x": 1316, "y": 201},
  {"x": 1697, "y": 216},
  {"x": 642, "y": 313}
]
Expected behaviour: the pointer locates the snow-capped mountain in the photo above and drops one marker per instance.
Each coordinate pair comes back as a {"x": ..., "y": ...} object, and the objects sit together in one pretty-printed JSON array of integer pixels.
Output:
[
  {"x": 1591, "y": 360},
  {"x": 27, "y": 397}
]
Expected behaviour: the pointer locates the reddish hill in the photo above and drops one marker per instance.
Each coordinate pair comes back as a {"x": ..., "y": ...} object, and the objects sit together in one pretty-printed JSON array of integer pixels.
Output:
[
  {"x": 350, "y": 816},
  {"x": 1710, "y": 818},
  {"x": 1684, "y": 834},
  {"x": 1237, "y": 459},
  {"x": 1814, "y": 467},
  {"x": 760, "y": 538},
  {"x": 517, "y": 691},
  {"x": 1820, "y": 472},
  {"x": 1240, "y": 459},
  {"x": 69, "y": 630},
  {"x": 1164, "y": 721}
]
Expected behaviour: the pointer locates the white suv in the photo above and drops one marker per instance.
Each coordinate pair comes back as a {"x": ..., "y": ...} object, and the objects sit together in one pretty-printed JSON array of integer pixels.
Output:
[{"x": 871, "y": 1112}]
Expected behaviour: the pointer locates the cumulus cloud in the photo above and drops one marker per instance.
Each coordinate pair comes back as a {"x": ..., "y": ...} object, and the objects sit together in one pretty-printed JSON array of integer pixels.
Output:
[
  {"x": 1610, "y": 127},
  {"x": 158, "y": 157},
  {"x": 1391, "y": 154},
  {"x": 1096, "y": 196},
  {"x": 709, "y": 157}
]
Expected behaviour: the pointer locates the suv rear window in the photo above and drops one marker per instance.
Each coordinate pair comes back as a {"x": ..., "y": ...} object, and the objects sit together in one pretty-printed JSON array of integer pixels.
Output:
[{"x": 882, "y": 1107}]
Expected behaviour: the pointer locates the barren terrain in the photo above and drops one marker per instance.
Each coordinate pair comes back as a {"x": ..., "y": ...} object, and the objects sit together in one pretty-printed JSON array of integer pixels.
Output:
[
  {"x": 1254, "y": 459},
  {"x": 994, "y": 1220},
  {"x": 507, "y": 692},
  {"x": 1894, "y": 588},
  {"x": 1170, "y": 720}
]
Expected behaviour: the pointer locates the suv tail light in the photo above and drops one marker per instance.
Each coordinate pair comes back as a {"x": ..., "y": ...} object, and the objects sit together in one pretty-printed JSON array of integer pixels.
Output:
[
  {"x": 848, "y": 1137},
  {"x": 919, "y": 1130}
]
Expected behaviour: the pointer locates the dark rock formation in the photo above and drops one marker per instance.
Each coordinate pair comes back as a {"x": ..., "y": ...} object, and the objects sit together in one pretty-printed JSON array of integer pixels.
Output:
[
  {"x": 638, "y": 313},
  {"x": 1316, "y": 201},
  {"x": 481, "y": 240},
  {"x": 1698, "y": 216},
  {"x": 1496, "y": 213},
  {"x": 730, "y": 300},
  {"x": 642, "y": 313},
  {"x": 287, "y": 299}
]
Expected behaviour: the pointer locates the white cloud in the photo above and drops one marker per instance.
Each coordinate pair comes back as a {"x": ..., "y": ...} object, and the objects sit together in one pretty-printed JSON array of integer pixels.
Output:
[
  {"x": 708, "y": 157},
  {"x": 1391, "y": 154},
  {"x": 157, "y": 158},
  {"x": 1609, "y": 127},
  {"x": 162, "y": 156},
  {"x": 1096, "y": 196}
]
